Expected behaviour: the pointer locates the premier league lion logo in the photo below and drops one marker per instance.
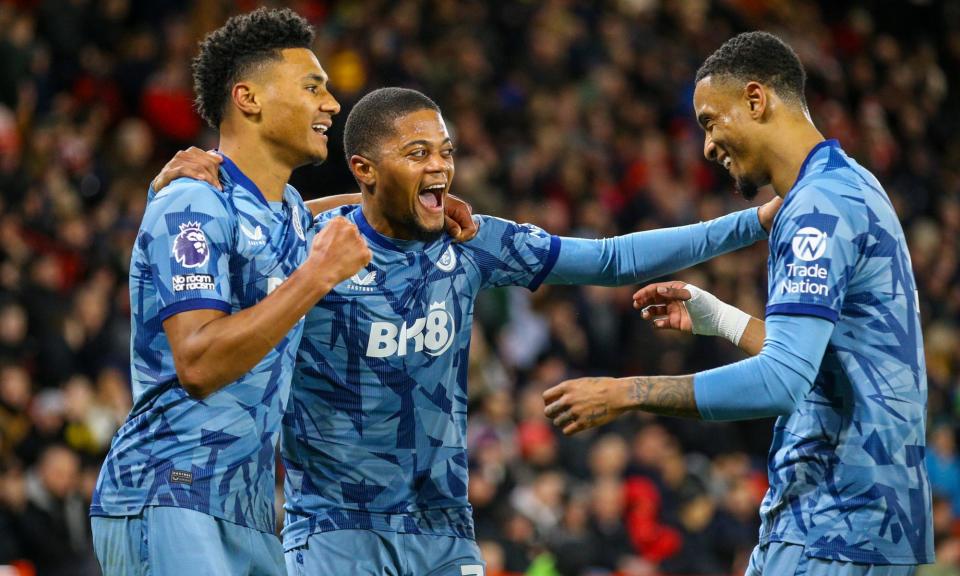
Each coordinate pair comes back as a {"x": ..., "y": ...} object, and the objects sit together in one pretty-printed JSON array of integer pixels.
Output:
[{"x": 190, "y": 246}]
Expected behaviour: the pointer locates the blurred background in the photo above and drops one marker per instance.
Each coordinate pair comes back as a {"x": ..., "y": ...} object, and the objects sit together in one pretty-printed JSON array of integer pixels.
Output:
[{"x": 569, "y": 114}]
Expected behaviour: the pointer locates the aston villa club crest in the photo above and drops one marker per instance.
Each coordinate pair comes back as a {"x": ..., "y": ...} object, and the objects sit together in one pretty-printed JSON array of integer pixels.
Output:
[
  {"x": 297, "y": 224},
  {"x": 448, "y": 260},
  {"x": 190, "y": 246}
]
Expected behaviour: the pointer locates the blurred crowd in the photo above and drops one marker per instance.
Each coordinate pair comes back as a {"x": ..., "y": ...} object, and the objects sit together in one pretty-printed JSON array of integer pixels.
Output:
[{"x": 573, "y": 115}]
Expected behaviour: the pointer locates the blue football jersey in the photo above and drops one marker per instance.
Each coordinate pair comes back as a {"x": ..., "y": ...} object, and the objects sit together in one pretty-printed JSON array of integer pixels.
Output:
[
  {"x": 846, "y": 469},
  {"x": 201, "y": 248},
  {"x": 375, "y": 434}
]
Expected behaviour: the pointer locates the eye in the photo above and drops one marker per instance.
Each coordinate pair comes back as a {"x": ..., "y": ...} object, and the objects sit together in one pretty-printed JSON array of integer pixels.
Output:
[
  {"x": 312, "y": 89},
  {"x": 448, "y": 152},
  {"x": 418, "y": 153}
]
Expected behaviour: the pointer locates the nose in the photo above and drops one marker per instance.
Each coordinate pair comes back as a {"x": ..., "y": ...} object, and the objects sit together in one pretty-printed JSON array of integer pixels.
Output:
[
  {"x": 437, "y": 163},
  {"x": 709, "y": 148},
  {"x": 330, "y": 105}
]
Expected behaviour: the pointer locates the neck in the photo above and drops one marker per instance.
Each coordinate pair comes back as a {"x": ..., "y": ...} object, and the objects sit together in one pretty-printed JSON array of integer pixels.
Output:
[
  {"x": 257, "y": 160},
  {"x": 801, "y": 136},
  {"x": 379, "y": 222}
]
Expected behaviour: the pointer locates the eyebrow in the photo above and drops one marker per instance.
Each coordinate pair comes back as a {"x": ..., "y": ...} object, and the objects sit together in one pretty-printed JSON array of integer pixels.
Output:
[
  {"x": 321, "y": 78},
  {"x": 425, "y": 142}
]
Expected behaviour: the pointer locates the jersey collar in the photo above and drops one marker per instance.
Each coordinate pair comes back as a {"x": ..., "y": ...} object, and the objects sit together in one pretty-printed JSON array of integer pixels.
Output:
[
  {"x": 808, "y": 161},
  {"x": 385, "y": 242},
  {"x": 238, "y": 177}
]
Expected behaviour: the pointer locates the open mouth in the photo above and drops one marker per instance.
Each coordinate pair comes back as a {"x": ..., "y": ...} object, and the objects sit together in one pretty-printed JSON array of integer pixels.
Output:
[
  {"x": 320, "y": 128},
  {"x": 431, "y": 197}
]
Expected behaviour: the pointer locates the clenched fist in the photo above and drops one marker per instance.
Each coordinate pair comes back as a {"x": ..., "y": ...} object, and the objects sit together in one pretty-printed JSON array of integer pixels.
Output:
[{"x": 338, "y": 251}]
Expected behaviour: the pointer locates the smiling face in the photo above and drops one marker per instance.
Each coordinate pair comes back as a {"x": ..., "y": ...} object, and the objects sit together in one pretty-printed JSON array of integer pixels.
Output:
[
  {"x": 727, "y": 113},
  {"x": 297, "y": 109},
  {"x": 411, "y": 176}
]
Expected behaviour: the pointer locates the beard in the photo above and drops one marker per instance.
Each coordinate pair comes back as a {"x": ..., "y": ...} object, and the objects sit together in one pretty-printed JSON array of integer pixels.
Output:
[
  {"x": 416, "y": 230},
  {"x": 746, "y": 188}
]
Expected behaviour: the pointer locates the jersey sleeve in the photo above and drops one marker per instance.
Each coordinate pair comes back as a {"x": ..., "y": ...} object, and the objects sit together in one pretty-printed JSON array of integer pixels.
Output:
[
  {"x": 814, "y": 249},
  {"x": 511, "y": 254},
  {"x": 187, "y": 238}
]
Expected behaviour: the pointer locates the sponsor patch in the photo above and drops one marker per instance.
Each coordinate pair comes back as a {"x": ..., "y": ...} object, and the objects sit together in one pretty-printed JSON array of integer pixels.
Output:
[
  {"x": 181, "y": 477},
  {"x": 190, "y": 246},
  {"x": 182, "y": 282},
  {"x": 809, "y": 243}
]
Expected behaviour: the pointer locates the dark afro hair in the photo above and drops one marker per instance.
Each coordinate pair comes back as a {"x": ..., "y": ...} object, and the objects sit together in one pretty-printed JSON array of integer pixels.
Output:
[
  {"x": 231, "y": 51},
  {"x": 371, "y": 119},
  {"x": 760, "y": 57}
]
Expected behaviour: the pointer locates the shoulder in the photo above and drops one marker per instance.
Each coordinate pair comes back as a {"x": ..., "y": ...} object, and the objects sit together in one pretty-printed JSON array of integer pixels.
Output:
[
  {"x": 188, "y": 204},
  {"x": 491, "y": 228},
  {"x": 346, "y": 211},
  {"x": 823, "y": 203},
  {"x": 189, "y": 195}
]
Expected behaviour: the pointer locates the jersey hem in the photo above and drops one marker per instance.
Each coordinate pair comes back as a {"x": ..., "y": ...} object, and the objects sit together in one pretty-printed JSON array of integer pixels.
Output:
[
  {"x": 193, "y": 304},
  {"x": 548, "y": 265},
  {"x": 798, "y": 309}
]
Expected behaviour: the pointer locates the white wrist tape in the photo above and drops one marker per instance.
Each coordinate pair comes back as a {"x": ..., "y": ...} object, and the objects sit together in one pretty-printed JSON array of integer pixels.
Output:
[{"x": 712, "y": 317}]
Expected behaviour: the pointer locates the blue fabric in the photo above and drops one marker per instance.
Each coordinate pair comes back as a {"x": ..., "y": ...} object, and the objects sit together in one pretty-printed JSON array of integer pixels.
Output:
[
  {"x": 370, "y": 553},
  {"x": 199, "y": 247},
  {"x": 846, "y": 469},
  {"x": 173, "y": 542},
  {"x": 784, "y": 559},
  {"x": 771, "y": 383},
  {"x": 375, "y": 437},
  {"x": 642, "y": 256}
]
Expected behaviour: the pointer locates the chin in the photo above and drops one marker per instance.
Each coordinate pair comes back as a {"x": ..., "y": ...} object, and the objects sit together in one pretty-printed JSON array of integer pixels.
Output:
[
  {"x": 426, "y": 233},
  {"x": 747, "y": 188}
]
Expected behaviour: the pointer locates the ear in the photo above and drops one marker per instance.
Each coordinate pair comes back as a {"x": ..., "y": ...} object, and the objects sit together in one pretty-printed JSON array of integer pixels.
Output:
[
  {"x": 364, "y": 171},
  {"x": 245, "y": 98},
  {"x": 756, "y": 97}
]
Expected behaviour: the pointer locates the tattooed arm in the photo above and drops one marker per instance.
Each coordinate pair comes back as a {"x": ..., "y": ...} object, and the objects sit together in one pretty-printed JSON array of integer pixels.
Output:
[
  {"x": 576, "y": 405},
  {"x": 769, "y": 384}
]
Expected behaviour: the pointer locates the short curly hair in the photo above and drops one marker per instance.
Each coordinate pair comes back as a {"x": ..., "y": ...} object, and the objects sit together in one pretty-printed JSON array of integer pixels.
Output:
[
  {"x": 372, "y": 117},
  {"x": 761, "y": 57},
  {"x": 233, "y": 50}
]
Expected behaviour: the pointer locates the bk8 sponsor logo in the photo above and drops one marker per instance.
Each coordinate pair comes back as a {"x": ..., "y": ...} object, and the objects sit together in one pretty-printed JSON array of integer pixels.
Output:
[{"x": 432, "y": 333}]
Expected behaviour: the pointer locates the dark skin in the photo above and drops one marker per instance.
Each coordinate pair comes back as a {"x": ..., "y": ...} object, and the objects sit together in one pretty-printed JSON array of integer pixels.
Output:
[
  {"x": 417, "y": 156},
  {"x": 761, "y": 139}
]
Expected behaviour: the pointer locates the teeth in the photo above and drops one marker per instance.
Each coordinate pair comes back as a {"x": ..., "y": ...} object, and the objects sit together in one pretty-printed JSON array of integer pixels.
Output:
[
  {"x": 438, "y": 187},
  {"x": 321, "y": 128},
  {"x": 727, "y": 162}
]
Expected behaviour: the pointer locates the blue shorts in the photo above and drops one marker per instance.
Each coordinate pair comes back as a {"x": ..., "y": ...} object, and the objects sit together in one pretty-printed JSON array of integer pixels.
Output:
[
  {"x": 782, "y": 559},
  {"x": 380, "y": 553},
  {"x": 168, "y": 541}
]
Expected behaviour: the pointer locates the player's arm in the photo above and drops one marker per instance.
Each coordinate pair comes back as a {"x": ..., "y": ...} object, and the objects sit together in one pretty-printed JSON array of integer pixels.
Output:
[
  {"x": 676, "y": 305},
  {"x": 769, "y": 384},
  {"x": 645, "y": 255},
  {"x": 204, "y": 165},
  {"x": 212, "y": 348}
]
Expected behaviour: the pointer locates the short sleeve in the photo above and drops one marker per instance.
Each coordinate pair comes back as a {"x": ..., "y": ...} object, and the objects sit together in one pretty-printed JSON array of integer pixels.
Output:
[
  {"x": 187, "y": 239},
  {"x": 511, "y": 254},
  {"x": 813, "y": 251}
]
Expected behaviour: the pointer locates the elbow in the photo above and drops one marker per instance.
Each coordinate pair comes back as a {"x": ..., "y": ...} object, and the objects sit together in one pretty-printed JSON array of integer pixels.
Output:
[{"x": 195, "y": 382}]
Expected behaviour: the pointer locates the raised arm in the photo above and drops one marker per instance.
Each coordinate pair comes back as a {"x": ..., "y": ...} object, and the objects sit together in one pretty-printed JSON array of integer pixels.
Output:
[
  {"x": 212, "y": 348},
  {"x": 645, "y": 255}
]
